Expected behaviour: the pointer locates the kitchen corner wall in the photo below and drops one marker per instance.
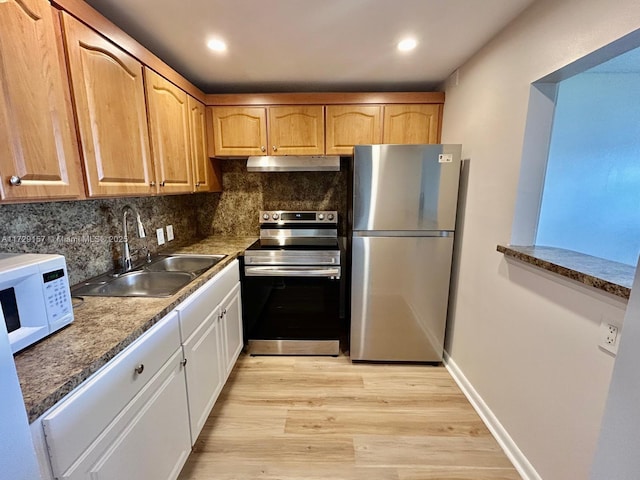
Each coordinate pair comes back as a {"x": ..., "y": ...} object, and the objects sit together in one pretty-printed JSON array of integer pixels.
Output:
[
  {"x": 244, "y": 194},
  {"x": 526, "y": 341},
  {"x": 86, "y": 232}
]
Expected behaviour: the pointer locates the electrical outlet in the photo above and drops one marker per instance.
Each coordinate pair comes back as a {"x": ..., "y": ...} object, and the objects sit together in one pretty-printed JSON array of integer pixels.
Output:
[
  {"x": 609, "y": 336},
  {"x": 160, "y": 235},
  {"x": 612, "y": 335},
  {"x": 169, "y": 233}
]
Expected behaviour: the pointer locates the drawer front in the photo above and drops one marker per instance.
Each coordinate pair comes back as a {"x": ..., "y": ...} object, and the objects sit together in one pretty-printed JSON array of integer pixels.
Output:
[
  {"x": 204, "y": 300},
  {"x": 80, "y": 418},
  {"x": 149, "y": 439}
]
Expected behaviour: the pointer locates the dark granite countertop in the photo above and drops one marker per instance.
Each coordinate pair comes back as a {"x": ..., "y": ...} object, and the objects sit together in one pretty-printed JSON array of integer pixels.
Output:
[
  {"x": 103, "y": 327},
  {"x": 612, "y": 277}
]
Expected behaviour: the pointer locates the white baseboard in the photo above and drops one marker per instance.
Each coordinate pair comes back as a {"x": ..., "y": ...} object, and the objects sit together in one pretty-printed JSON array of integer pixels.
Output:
[{"x": 520, "y": 462}]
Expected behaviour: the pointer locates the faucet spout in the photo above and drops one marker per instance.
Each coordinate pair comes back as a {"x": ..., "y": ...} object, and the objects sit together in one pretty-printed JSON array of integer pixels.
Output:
[{"x": 127, "y": 263}]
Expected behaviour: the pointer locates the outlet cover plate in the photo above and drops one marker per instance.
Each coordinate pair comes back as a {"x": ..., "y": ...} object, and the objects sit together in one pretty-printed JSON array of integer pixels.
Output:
[
  {"x": 609, "y": 335},
  {"x": 169, "y": 233},
  {"x": 160, "y": 235}
]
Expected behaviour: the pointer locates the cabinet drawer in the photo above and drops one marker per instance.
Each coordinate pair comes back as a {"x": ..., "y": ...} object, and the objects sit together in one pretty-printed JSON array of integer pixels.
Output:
[
  {"x": 204, "y": 300},
  {"x": 73, "y": 425}
]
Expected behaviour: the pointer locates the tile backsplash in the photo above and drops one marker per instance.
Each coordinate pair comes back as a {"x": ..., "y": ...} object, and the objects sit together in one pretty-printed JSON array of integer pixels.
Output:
[
  {"x": 244, "y": 194},
  {"x": 86, "y": 232}
]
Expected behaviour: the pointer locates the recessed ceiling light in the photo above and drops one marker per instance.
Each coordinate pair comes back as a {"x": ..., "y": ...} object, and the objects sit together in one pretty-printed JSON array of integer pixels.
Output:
[
  {"x": 407, "y": 44},
  {"x": 217, "y": 45}
]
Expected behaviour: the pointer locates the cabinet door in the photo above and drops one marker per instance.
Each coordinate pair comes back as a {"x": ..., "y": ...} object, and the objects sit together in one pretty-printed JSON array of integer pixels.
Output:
[
  {"x": 412, "y": 124},
  {"x": 204, "y": 371},
  {"x": 38, "y": 145},
  {"x": 204, "y": 175},
  {"x": 231, "y": 315},
  {"x": 108, "y": 89},
  {"x": 169, "y": 126},
  {"x": 349, "y": 125},
  {"x": 297, "y": 130},
  {"x": 239, "y": 131},
  {"x": 155, "y": 444}
]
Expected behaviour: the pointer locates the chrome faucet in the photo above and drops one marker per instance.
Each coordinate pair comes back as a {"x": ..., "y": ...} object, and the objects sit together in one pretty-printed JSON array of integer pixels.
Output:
[{"x": 127, "y": 263}]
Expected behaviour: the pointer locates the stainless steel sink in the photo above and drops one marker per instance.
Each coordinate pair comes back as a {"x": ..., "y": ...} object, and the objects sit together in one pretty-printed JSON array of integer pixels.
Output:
[
  {"x": 139, "y": 284},
  {"x": 162, "y": 277},
  {"x": 183, "y": 263}
]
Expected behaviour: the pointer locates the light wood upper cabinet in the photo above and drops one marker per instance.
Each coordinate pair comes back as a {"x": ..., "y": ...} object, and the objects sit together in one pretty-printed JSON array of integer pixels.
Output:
[
  {"x": 108, "y": 89},
  {"x": 170, "y": 138},
  {"x": 412, "y": 124},
  {"x": 39, "y": 156},
  {"x": 349, "y": 125},
  {"x": 296, "y": 130},
  {"x": 239, "y": 131},
  {"x": 204, "y": 176}
]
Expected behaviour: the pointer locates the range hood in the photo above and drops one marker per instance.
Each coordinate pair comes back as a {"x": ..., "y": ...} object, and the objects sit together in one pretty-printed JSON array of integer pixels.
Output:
[{"x": 294, "y": 163}]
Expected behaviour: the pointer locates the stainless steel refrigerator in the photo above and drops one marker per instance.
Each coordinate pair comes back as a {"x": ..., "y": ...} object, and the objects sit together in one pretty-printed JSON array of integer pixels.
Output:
[{"x": 402, "y": 222}]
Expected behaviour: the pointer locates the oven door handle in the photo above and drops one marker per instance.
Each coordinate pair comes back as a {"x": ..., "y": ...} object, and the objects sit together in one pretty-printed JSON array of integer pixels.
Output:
[{"x": 279, "y": 271}]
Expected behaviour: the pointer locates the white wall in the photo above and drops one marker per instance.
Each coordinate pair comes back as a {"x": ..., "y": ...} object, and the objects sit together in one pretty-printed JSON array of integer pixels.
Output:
[{"x": 526, "y": 340}]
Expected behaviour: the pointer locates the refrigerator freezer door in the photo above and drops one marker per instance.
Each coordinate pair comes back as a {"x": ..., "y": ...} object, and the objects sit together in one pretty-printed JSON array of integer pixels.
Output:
[
  {"x": 405, "y": 187},
  {"x": 400, "y": 291}
]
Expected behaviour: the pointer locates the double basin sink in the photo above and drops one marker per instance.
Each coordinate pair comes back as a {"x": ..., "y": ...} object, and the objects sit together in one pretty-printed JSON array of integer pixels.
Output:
[{"x": 163, "y": 276}]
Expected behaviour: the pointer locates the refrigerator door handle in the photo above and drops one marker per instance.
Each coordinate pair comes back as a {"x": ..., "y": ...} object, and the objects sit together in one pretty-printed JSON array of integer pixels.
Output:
[{"x": 403, "y": 233}]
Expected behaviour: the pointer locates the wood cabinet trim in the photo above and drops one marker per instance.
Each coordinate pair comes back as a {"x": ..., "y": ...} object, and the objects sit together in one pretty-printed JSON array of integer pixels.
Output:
[
  {"x": 210, "y": 180},
  {"x": 243, "y": 147},
  {"x": 37, "y": 142},
  {"x": 165, "y": 165},
  {"x": 406, "y": 132},
  {"x": 365, "y": 98},
  {"x": 127, "y": 112},
  {"x": 307, "y": 135},
  {"x": 356, "y": 132},
  {"x": 94, "y": 19}
]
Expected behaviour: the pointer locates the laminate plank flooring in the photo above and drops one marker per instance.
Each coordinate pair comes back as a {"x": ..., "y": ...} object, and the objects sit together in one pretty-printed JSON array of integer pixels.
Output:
[{"x": 324, "y": 418}]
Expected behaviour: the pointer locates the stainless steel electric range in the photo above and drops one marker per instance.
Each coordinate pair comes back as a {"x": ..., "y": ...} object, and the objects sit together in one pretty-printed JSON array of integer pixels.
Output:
[{"x": 293, "y": 294}]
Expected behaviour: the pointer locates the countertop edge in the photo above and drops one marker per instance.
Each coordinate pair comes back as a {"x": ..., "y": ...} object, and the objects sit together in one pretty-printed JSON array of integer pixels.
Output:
[{"x": 528, "y": 255}]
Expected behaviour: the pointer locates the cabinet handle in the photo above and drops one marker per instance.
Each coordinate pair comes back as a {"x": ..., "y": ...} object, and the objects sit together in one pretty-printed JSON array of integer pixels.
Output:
[
  {"x": 139, "y": 369},
  {"x": 275, "y": 148},
  {"x": 220, "y": 316},
  {"x": 15, "y": 180},
  {"x": 197, "y": 184},
  {"x": 184, "y": 362},
  {"x": 224, "y": 312},
  {"x": 152, "y": 184},
  {"x": 263, "y": 148},
  {"x": 162, "y": 183}
]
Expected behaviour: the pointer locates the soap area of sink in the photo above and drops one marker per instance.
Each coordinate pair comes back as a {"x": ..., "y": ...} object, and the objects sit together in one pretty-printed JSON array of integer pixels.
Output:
[{"x": 161, "y": 276}]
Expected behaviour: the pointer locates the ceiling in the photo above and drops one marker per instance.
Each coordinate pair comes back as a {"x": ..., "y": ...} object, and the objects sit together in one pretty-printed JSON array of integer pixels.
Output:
[{"x": 312, "y": 45}]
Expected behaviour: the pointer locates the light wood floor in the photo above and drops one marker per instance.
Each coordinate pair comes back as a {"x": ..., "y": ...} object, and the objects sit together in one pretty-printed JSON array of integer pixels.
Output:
[{"x": 323, "y": 418}]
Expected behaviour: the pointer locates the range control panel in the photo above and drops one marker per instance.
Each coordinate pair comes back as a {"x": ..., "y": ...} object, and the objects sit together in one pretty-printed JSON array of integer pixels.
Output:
[{"x": 285, "y": 216}]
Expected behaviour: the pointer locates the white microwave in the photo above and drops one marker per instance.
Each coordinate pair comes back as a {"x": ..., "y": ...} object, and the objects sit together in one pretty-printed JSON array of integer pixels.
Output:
[{"x": 34, "y": 296}]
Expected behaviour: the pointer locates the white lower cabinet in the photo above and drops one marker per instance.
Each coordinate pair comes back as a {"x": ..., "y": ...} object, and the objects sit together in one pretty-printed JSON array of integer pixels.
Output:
[
  {"x": 203, "y": 371},
  {"x": 138, "y": 416},
  {"x": 231, "y": 317},
  {"x": 214, "y": 341},
  {"x": 101, "y": 432}
]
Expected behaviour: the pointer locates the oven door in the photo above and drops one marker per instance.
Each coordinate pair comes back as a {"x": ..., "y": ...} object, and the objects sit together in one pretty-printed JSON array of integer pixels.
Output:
[{"x": 298, "y": 307}]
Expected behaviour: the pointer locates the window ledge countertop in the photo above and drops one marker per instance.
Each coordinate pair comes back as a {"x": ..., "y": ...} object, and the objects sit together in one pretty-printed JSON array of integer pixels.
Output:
[{"x": 612, "y": 277}]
